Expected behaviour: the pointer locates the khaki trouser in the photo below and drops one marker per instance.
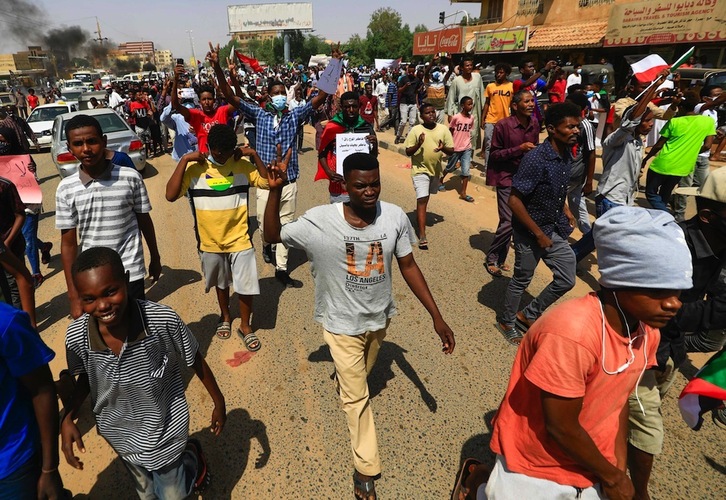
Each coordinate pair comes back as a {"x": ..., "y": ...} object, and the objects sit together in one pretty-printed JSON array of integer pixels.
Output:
[
  {"x": 354, "y": 357},
  {"x": 288, "y": 201}
]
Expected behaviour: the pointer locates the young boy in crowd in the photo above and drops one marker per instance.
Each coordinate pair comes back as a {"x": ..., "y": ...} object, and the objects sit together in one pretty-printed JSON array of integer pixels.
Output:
[
  {"x": 561, "y": 428},
  {"x": 426, "y": 144},
  {"x": 218, "y": 187},
  {"x": 460, "y": 128},
  {"x": 103, "y": 204},
  {"x": 127, "y": 355}
]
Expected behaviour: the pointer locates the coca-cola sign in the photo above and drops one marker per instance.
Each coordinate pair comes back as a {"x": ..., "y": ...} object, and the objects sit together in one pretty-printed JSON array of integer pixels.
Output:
[{"x": 431, "y": 42}]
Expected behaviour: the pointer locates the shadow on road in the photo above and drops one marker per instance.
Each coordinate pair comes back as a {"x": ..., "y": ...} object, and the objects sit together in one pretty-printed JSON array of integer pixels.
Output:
[
  {"x": 432, "y": 219},
  {"x": 389, "y": 354},
  {"x": 170, "y": 281},
  {"x": 150, "y": 171},
  {"x": 227, "y": 456},
  {"x": 477, "y": 447}
]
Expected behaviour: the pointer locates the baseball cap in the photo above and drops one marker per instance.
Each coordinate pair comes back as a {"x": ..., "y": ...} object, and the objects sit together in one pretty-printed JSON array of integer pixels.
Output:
[{"x": 714, "y": 187}]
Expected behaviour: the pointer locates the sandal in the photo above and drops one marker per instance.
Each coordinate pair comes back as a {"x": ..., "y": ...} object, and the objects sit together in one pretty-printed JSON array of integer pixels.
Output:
[
  {"x": 368, "y": 488},
  {"x": 252, "y": 343},
  {"x": 203, "y": 476},
  {"x": 442, "y": 187},
  {"x": 522, "y": 324},
  {"x": 224, "y": 330},
  {"x": 467, "y": 198},
  {"x": 462, "y": 476},
  {"x": 423, "y": 244},
  {"x": 511, "y": 334},
  {"x": 505, "y": 268},
  {"x": 493, "y": 269}
]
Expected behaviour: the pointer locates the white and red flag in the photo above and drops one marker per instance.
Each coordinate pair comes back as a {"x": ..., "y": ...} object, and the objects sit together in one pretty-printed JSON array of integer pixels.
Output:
[{"x": 647, "y": 69}]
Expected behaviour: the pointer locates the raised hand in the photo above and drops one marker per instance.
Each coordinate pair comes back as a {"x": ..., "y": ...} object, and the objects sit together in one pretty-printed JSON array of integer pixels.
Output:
[
  {"x": 336, "y": 53},
  {"x": 213, "y": 54},
  {"x": 277, "y": 170},
  {"x": 231, "y": 66},
  {"x": 421, "y": 138}
]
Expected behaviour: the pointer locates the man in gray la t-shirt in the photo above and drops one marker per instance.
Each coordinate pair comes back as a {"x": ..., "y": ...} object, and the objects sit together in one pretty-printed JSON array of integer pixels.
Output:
[{"x": 350, "y": 247}]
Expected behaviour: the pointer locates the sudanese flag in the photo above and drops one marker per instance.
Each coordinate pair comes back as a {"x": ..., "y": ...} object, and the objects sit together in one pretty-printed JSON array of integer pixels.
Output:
[
  {"x": 249, "y": 62},
  {"x": 705, "y": 392}
]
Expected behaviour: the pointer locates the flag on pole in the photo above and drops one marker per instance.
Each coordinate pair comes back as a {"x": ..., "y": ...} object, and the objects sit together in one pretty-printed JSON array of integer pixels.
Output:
[
  {"x": 249, "y": 62},
  {"x": 647, "y": 69},
  {"x": 682, "y": 59},
  {"x": 706, "y": 391}
]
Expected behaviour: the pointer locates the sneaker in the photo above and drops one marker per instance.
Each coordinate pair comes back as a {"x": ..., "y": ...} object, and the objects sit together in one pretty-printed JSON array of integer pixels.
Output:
[
  {"x": 203, "y": 476},
  {"x": 45, "y": 252},
  {"x": 268, "y": 254},
  {"x": 38, "y": 280},
  {"x": 284, "y": 278}
]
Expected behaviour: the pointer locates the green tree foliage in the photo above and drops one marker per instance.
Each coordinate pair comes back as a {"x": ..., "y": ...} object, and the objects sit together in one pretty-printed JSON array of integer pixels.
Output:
[{"x": 387, "y": 37}]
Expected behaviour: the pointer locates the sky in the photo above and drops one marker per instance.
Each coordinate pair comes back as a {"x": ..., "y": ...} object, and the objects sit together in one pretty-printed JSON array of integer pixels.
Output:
[{"x": 166, "y": 22}]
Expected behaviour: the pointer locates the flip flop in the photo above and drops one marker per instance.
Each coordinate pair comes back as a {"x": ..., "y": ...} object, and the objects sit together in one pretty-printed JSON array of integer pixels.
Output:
[
  {"x": 467, "y": 198},
  {"x": 224, "y": 330},
  {"x": 442, "y": 187},
  {"x": 462, "y": 475},
  {"x": 368, "y": 488},
  {"x": 496, "y": 272},
  {"x": 423, "y": 244},
  {"x": 252, "y": 343},
  {"x": 511, "y": 334},
  {"x": 505, "y": 267},
  {"x": 521, "y": 325}
]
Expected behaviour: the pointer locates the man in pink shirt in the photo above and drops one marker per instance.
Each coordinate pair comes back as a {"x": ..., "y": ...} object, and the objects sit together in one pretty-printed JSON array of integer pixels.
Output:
[{"x": 561, "y": 429}]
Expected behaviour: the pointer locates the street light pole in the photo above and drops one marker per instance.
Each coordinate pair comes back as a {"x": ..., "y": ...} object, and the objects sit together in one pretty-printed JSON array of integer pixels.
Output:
[{"x": 191, "y": 43}]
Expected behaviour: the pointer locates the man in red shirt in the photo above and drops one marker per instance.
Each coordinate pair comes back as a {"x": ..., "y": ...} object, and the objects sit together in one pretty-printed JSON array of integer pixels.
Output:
[
  {"x": 140, "y": 111},
  {"x": 369, "y": 106},
  {"x": 32, "y": 99},
  {"x": 203, "y": 119}
]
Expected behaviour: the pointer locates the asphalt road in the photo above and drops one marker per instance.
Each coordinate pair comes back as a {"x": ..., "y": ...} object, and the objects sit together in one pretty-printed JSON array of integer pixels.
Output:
[{"x": 286, "y": 435}]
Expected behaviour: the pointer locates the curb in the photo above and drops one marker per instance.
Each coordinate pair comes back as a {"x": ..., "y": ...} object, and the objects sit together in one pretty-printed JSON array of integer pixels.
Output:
[{"x": 477, "y": 175}]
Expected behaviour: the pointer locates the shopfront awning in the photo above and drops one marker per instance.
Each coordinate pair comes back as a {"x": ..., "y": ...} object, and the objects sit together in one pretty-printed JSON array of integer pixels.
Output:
[{"x": 568, "y": 36}]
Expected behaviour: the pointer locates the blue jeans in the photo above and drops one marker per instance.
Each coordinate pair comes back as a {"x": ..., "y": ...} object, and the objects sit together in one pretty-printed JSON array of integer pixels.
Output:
[
  {"x": 23, "y": 483},
  {"x": 173, "y": 482},
  {"x": 32, "y": 243},
  {"x": 561, "y": 261},
  {"x": 464, "y": 157},
  {"x": 586, "y": 244},
  {"x": 658, "y": 189}
]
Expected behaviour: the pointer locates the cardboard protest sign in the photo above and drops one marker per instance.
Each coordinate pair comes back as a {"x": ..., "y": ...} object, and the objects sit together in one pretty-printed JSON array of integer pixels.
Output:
[
  {"x": 15, "y": 168},
  {"x": 328, "y": 80},
  {"x": 346, "y": 145}
]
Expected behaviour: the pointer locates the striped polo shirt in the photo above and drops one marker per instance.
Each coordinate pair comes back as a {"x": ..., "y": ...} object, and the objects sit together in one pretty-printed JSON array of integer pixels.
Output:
[
  {"x": 219, "y": 203},
  {"x": 138, "y": 397},
  {"x": 103, "y": 211}
]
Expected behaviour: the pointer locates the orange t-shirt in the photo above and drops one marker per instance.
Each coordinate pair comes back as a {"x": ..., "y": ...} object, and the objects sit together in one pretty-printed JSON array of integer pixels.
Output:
[{"x": 562, "y": 354}]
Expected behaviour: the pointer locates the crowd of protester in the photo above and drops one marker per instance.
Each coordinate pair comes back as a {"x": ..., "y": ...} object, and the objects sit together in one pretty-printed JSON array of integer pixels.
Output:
[{"x": 582, "y": 407}]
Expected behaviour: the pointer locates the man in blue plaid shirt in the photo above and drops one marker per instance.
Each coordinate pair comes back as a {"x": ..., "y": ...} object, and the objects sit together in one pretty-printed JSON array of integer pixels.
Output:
[{"x": 275, "y": 125}]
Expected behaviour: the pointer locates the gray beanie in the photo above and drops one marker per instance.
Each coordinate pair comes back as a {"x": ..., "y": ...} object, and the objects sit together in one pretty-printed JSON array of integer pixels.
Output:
[{"x": 642, "y": 248}]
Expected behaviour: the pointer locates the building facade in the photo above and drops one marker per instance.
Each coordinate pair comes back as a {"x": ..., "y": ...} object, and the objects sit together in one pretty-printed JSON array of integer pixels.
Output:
[
  {"x": 145, "y": 49},
  {"x": 164, "y": 60},
  {"x": 242, "y": 40}
]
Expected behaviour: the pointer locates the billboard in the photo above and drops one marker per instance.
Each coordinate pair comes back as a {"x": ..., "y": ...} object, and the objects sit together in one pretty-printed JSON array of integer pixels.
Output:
[
  {"x": 655, "y": 23},
  {"x": 502, "y": 41},
  {"x": 431, "y": 42},
  {"x": 270, "y": 17}
]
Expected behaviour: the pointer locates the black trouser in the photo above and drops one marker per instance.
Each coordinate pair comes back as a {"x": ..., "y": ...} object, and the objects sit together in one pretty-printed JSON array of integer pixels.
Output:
[{"x": 394, "y": 117}]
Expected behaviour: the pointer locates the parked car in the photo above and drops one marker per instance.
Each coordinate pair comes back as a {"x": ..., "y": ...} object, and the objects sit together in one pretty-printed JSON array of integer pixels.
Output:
[
  {"x": 71, "y": 93},
  {"x": 41, "y": 119},
  {"x": 7, "y": 99},
  {"x": 119, "y": 135}
]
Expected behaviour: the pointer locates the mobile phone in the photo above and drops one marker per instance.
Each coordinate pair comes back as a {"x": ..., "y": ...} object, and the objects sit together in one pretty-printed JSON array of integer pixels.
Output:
[{"x": 180, "y": 61}]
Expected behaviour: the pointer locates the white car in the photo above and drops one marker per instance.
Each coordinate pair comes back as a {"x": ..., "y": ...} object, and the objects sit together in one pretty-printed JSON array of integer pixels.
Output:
[
  {"x": 41, "y": 119},
  {"x": 120, "y": 137}
]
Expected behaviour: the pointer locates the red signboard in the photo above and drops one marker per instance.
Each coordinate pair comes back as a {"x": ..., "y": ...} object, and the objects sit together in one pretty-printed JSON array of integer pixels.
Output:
[{"x": 431, "y": 42}]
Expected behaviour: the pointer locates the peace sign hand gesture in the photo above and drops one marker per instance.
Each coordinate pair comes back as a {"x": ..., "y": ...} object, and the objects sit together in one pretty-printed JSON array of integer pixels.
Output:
[
  {"x": 277, "y": 170},
  {"x": 213, "y": 54}
]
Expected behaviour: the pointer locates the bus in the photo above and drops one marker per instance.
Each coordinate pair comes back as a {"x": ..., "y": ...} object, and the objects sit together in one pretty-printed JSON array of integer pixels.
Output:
[{"x": 89, "y": 78}]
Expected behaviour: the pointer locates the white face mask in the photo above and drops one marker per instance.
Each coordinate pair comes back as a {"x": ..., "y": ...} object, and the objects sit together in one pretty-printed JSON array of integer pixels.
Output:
[
  {"x": 213, "y": 161},
  {"x": 279, "y": 102},
  {"x": 579, "y": 71}
]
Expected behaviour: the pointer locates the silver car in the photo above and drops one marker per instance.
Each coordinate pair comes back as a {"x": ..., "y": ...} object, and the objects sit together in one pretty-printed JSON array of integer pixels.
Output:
[{"x": 118, "y": 133}]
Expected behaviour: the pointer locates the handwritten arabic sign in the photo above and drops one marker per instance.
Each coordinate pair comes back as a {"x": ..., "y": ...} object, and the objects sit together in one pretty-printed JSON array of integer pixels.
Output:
[
  {"x": 502, "y": 41},
  {"x": 15, "y": 169},
  {"x": 346, "y": 145},
  {"x": 654, "y": 23},
  {"x": 431, "y": 42},
  {"x": 270, "y": 17}
]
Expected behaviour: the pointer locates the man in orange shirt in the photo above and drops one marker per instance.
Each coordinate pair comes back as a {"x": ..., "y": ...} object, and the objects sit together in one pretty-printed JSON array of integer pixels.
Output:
[{"x": 561, "y": 429}]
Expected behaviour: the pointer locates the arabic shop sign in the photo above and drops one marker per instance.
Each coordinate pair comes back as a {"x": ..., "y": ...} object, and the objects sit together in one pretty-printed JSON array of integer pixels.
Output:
[
  {"x": 502, "y": 41},
  {"x": 656, "y": 23},
  {"x": 432, "y": 42}
]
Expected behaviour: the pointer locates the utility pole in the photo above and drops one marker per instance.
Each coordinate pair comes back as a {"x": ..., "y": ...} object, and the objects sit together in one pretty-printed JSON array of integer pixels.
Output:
[
  {"x": 99, "y": 38},
  {"x": 191, "y": 43}
]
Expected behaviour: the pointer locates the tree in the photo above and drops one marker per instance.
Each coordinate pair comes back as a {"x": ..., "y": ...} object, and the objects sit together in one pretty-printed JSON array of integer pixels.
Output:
[
  {"x": 356, "y": 49},
  {"x": 129, "y": 65},
  {"x": 386, "y": 36},
  {"x": 148, "y": 67}
]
